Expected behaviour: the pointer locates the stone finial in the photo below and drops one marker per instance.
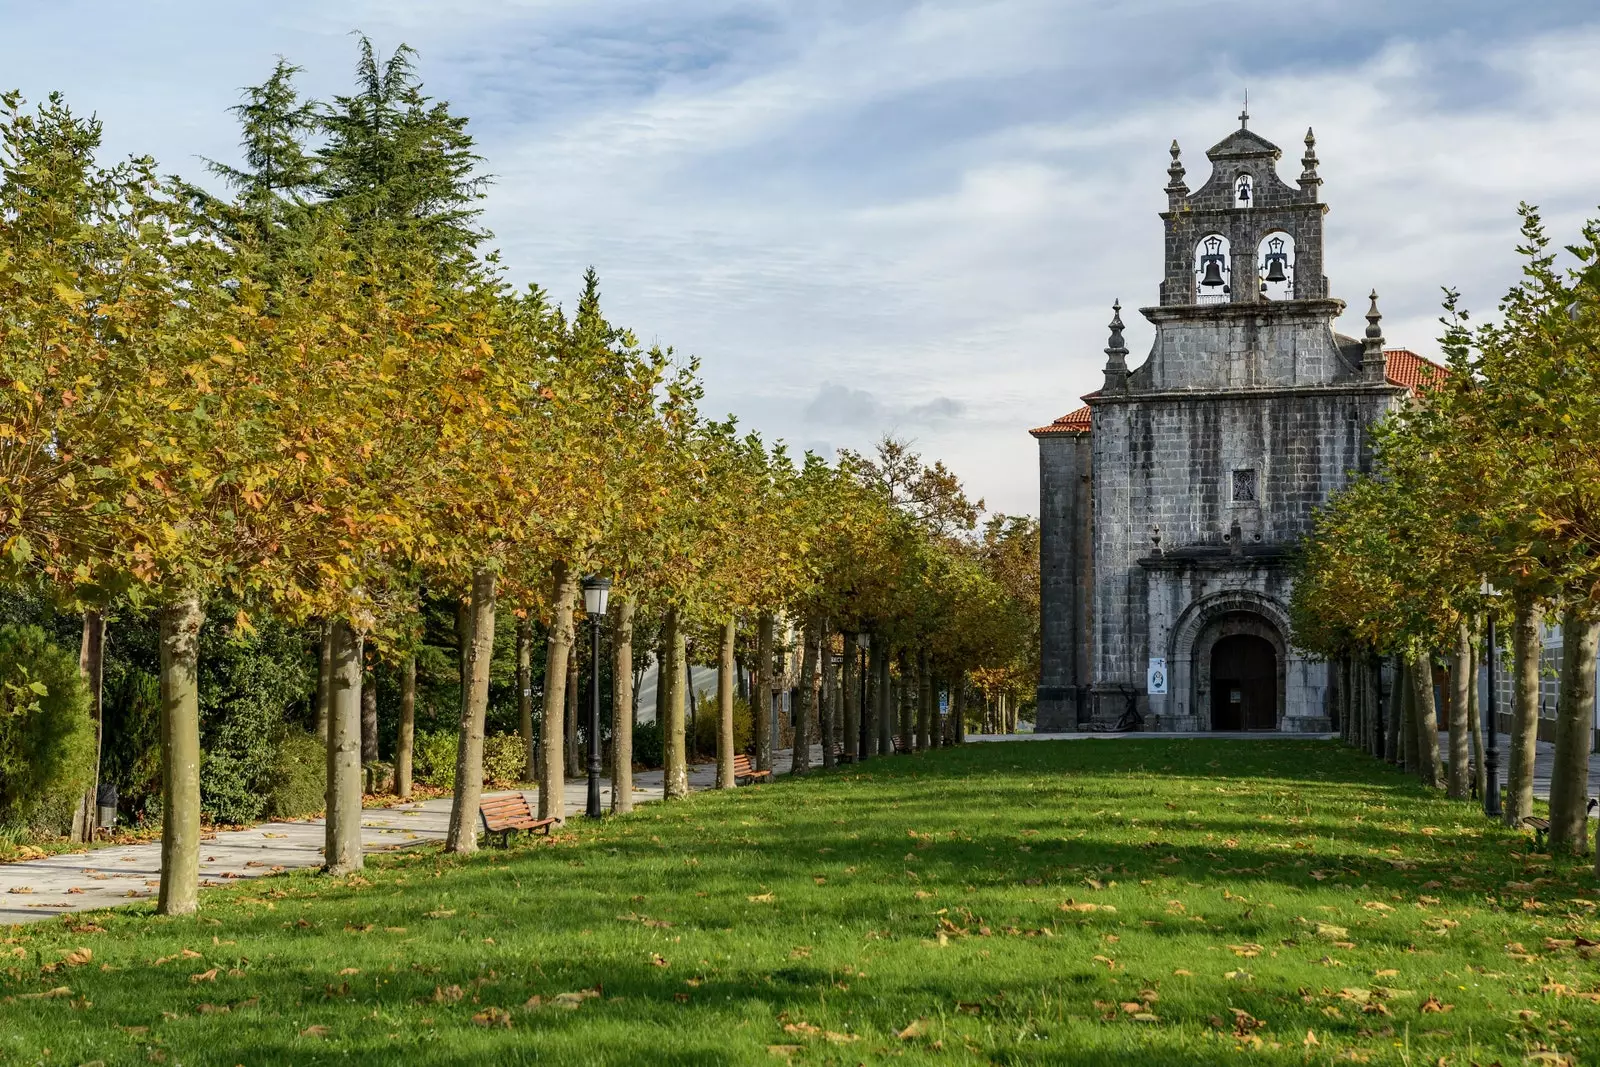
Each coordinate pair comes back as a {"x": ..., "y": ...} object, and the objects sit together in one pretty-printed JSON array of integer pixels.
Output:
[
  {"x": 1116, "y": 368},
  {"x": 1372, "y": 360},
  {"x": 1309, "y": 179},
  {"x": 1175, "y": 185}
]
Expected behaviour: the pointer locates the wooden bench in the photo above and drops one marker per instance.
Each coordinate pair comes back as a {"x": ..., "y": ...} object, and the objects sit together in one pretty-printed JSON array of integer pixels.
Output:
[
  {"x": 1541, "y": 830},
  {"x": 743, "y": 771},
  {"x": 900, "y": 746},
  {"x": 508, "y": 814}
]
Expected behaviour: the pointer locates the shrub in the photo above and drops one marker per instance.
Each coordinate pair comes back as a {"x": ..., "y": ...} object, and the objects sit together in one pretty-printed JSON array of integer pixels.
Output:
[
  {"x": 434, "y": 759},
  {"x": 295, "y": 786},
  {"x": 505, "y": 757},
  {"x": 705, "y": 726},
  {"x": 248, "y": 683},
  {"x": 647, "y": 751},
  {"x": 46, "y": 737}
]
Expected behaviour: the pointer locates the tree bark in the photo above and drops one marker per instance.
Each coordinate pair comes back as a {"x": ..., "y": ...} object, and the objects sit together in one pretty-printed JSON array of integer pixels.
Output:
[
  {"x": 761, "y": 700},
  {"x": 464, "y": 645},
  {"x": 851, "y": 686},
  {"x": 958, "y": 708},
  {"x": 341, "y": 852},
  {"x": 828, "y": 700},
  {"x": 871, "y": 714},
  {"x": 1395, "y": 715},
  {"x": 462, "y": 837},
  {"x": 805, "y": 701},
  {"x": 552, "y": 729},
  {"x": 1526, "y": 645},
  {"x": 905, "y": 701},
  {"x": 1460, "y": 783},
  {"x": 676, "y": 776},
  {"x": 925, "y": 710},
  {"x": 622, "y": 609},
  {"x": 1480, "y": 771},
  {"x": 530, "y": 748},
  {"x": 726, "y": 669},
  {"x": 1408, "y": 719},
  {"x": 369, "y": 716},
  {"x": 324, "y": 680},
  {"x": 406, "y": 742},
  {"x": 1569, "y": 776},
  {"x": 181, "y": 620},
  {"x": 575, "y": 715},
  {"x": 885, "y": 708},
  {"x": 1426, "y": 718},
  {"x": 91, "y": 664}
]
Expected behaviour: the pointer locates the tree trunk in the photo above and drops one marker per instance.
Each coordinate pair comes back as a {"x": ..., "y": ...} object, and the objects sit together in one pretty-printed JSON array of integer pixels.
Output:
[
  {"x": 462, "y": 837},
  {"x": 725, "y": 678},
  {"x": 851, "y": 686},
  {"x": 92, "y": 664},
  {"x": 1395, "y": 715},
  {"x": 958, "y": 708},
  {"x": 1427, "y": 719},
  {"x": 552, "y": 730},
  {"x": 828, "y": 699},
  {"x": 805, "y": 701},
  {"x": 369, "y": 716},
  {"x": 871, "y": 711},
  {"x": 885, "y": 707},
  {"x": 1525, "y": 644},
  {"x": 1480, "y": 770},
  {"x": 464, "y": 645},
  {"x": 181, "y": 620},
  {"x": 925, "y": 711},
  {"x": 761, "y": 699},
  {"x": 1569, "y": 776},
  {"x": 1460, "y": 785},
  {"x": 676, "y": 776},
  {"x": 622, "y": 609},
  {"x": 341, "y": 852},
  {"x": 324, "y": 680},
  {"x": 530, "y": 748},
  {"x": 906, "y": 702},
  {"x": 1408, "y": 720},
  {"x": 406, "y": 742},
  {"x": 575, "y": 714}
]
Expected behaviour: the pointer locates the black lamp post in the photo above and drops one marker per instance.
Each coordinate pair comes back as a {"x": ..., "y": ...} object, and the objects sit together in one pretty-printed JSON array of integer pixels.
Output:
[
  {"x": 596, "y": 590},
  {"x": 1491, "y": 756}
]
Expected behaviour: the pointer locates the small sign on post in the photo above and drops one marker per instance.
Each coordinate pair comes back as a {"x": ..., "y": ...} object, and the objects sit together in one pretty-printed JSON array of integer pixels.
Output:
[{"x": 1156, "y": 678}]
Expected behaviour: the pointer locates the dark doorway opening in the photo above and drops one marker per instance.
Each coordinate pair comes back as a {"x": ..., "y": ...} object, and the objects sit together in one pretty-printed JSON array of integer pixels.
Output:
[{"x": 1244, "y": 683}]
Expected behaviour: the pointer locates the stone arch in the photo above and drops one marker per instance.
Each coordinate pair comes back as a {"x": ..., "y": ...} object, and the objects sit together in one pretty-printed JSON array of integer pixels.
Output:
[
  {"x": 1275, "y": 255},
  {"x": 1203, "y": 624},
  {"x": 1212, "y": 277}
]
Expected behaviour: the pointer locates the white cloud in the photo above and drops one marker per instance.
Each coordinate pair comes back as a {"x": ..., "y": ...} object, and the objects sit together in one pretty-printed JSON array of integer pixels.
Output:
[{"x": 935, "y": 202}]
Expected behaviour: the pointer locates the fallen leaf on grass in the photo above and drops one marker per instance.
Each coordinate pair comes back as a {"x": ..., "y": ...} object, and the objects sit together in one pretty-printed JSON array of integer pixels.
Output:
[
  {"x": 917, "y": 1029},
  {"x": 564, "y": 1000},
  {"x": 762, "y": 898},
  {"x": 48, "y": 994},
  {"x": 448, "y": 994},
  {"x": 78, "y": 957},
  {"x": 441, "y": 913},
  {"x": 493, "y": 1017},
  {"x": 1073, "y": 905},
  {"x": 350, "y": 970},
  {"x": 1432, "y": 1006},
  {"x": 1180, "y": 972},
  {"x": 315, "y": 1031},
  {"x": 204, "y": 976},
  {"x": 1246, "y": 951},
  {"x": 1311, "y": 1039},
  {"x": 658, "y": 960}
]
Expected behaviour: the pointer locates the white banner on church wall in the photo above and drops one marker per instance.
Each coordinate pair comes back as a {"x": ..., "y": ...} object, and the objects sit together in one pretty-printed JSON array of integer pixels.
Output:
[{"x": 1156, "y": 679}]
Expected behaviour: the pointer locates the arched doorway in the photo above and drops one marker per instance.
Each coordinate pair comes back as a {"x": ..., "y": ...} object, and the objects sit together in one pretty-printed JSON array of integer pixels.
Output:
[{"x": 1244, "y": 683}]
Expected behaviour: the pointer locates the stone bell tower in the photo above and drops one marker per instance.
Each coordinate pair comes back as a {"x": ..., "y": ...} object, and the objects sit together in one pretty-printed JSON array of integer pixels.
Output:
[{"x": 1172, "y": 503}]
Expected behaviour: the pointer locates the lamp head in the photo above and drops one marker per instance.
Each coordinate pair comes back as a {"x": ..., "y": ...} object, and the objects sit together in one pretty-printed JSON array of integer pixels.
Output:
[{"x": 596, "y": 591}]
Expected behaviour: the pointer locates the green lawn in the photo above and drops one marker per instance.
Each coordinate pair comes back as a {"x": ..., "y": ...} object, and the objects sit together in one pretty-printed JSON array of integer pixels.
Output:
[{"x": 1117, "y": 902}]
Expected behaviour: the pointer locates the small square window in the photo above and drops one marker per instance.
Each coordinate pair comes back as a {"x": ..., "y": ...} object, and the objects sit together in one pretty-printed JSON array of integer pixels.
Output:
[{"x": 1244, "y": 487}]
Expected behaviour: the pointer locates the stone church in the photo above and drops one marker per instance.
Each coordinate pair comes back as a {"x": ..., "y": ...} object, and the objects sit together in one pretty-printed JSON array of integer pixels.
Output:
[{"x": 1171, "y": 503}]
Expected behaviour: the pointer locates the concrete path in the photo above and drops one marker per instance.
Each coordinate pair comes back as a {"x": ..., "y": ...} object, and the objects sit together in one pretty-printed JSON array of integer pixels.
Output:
[{"x": 105, "y": 877}]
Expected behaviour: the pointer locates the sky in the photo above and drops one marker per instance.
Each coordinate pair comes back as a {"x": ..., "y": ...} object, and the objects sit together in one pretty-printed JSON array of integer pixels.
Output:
[{"x": 889, "y": 216}]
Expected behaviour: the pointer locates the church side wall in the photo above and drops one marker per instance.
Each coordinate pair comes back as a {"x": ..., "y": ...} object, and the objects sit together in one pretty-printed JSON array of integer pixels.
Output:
[{"x": 1065, "y": 518}]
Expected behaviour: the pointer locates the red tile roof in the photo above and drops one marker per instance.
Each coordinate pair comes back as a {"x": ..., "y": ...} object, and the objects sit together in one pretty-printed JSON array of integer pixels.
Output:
[
  {"x": 1404, "y": 367},
  {"x": 1401, "y": 366}
]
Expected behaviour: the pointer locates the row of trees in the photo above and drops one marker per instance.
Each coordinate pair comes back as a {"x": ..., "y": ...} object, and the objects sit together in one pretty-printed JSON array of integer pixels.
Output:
[
  {"x": 318, "y": 398},
  {"x": 1484, "y": 499}
]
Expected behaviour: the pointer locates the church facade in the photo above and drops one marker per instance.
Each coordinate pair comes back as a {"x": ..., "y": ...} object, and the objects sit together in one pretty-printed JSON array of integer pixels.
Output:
[{"x": 1171, "y": 503}]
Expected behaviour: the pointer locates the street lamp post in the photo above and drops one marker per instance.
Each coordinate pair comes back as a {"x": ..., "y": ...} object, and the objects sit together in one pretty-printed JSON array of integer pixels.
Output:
[{"x": 596, "y": 590}]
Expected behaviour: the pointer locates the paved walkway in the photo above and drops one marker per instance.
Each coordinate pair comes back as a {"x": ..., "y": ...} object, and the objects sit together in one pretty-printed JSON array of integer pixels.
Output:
[{"x": 105, "y": 877}]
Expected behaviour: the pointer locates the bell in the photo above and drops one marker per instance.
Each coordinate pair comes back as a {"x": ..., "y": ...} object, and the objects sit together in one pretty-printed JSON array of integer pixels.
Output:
[
  {"x": 1276, "y": 261},
  {"x": 1212, "y": 266}
]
